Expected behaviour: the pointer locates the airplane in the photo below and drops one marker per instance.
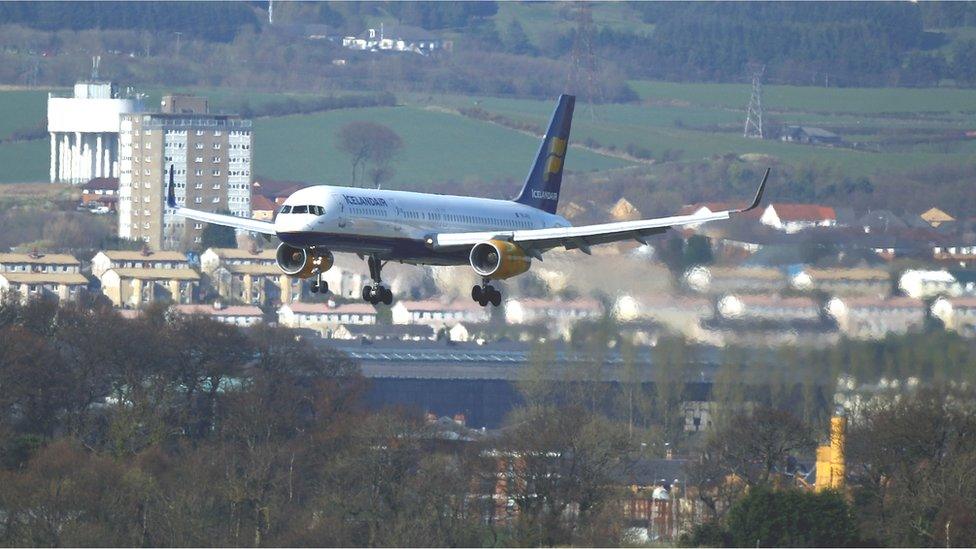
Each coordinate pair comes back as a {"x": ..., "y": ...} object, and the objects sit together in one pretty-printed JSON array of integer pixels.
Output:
[{"x": 498, "y": 239}]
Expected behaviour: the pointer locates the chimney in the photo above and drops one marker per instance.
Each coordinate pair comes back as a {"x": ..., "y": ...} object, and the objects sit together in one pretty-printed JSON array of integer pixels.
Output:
[{"x": 459, "y": 419}]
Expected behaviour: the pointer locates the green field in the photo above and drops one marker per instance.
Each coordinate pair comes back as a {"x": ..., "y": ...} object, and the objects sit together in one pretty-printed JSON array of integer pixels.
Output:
[
  {"x": 703, "y": 120},
  {"x": 21, "y": 110},
  {"x": 437, "y": 147},
  {"x": 814, "y": 98},
  {"x": 699, "y": 120}
]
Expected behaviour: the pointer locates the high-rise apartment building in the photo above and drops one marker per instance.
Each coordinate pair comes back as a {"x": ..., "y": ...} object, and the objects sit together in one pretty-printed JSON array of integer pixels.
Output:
[{"x": 211, "y": 158}]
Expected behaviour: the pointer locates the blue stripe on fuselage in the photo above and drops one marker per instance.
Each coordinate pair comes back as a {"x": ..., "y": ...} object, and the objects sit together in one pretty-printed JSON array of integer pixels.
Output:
[{"x": 395, "y": 249}]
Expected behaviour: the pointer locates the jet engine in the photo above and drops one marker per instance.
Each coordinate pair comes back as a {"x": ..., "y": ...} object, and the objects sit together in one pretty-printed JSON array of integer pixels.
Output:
[
  {"x": 499, "y": 259},
  {"x": 303, "y": 262}
]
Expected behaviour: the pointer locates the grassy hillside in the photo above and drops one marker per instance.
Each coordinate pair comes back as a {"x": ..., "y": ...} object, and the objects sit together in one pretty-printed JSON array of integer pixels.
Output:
[
  {"x": 703, "y": 120},
  {"x": 437, "y": 146}
]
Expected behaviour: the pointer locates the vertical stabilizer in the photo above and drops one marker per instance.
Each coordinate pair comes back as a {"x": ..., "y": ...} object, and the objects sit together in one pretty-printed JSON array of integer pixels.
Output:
[{"x": 541, "y": 189}]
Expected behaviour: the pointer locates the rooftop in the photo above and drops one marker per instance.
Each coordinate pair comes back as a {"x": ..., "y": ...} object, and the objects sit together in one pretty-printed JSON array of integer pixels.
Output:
[
  {"x": 253, "y": 269},
  {"x": 435, "y": 305},
  {"x": 890, "y": 303},
  {"x": 45, "y": 278},
  {"x": 143, "y": 255},
  {"x": 237, "y": 253},
  {"x": 39, "y": 259},
  {"x": 210, "y": 310},
  {"x": 101, "y": 184},
  {"x": 803, "y": 212},
  {"x": 155, "y": 274},
  {"x": 324, "y": 308}
]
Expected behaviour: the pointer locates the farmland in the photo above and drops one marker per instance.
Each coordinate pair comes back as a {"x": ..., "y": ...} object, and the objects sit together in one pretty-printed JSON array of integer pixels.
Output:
[{"x": 897, "y": 128}]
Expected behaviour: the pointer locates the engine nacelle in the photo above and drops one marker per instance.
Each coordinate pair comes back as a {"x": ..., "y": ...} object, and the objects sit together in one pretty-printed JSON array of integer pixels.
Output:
[
  {"x": 499, "y": 259},
  {"x": 303, "y": 262}
]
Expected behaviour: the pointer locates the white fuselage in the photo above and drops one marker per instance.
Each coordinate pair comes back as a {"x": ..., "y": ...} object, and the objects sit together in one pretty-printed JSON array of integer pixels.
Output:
[{"x": 395, "y": 224}]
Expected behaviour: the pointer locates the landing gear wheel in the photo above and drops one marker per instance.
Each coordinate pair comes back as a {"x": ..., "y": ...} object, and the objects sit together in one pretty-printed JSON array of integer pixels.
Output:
[
  {"x": 476, "y": 293},
  {"x": 368, "y": 293},
  {"x": 387, "y": 297},
  {"x": 496, "y": 297},
  {"x": 314, "y": 288}
]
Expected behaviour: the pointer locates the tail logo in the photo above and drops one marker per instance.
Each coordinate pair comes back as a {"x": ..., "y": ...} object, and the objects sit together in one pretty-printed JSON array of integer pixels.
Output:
[{"x": 554, "y": 160}]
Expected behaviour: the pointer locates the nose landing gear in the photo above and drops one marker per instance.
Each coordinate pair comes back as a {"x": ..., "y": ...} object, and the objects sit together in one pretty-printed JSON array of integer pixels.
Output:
[
  {"x": 485, "y": 294},
  {"x": 380, "y": 293}
]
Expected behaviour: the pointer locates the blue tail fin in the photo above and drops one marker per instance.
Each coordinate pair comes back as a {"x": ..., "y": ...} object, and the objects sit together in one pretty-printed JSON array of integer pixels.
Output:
[{"x": 541, "y": 189}]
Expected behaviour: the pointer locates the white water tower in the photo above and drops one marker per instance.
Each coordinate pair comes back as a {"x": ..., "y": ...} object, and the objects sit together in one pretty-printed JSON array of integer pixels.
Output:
[{"x": 84, "y": 130}]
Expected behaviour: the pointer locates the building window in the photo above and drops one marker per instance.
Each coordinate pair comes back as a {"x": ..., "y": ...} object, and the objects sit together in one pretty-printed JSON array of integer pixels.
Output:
[
  {"x": 198, "y": 200},
  {"x": 199, "y": 132},
  {"x": 216, "y": 146},
  {"x": 216, "y": 173},
  {"x": 216, "y": 199},
  {"x": 217, "y": 133},
  {"x": 216, "y": 159},
  {"x": 198, "y": 159},
  {"x": 198, "y": 226}
]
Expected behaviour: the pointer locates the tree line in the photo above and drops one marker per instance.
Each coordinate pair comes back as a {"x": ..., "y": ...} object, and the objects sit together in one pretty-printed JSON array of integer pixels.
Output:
[{"x": 174, "y": 430}]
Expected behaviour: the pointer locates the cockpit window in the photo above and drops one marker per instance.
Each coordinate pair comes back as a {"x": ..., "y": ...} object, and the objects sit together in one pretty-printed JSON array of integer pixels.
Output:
[
  {"x": 285, "y": 209},
  {"x": 299, "y": 209}
]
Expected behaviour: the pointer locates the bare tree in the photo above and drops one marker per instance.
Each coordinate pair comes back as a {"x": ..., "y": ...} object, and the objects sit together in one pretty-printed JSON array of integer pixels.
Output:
[{"x": 369, "y": 143}]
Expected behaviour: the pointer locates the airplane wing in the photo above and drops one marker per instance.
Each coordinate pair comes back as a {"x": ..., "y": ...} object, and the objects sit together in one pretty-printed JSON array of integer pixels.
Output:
[
  {"x": 247, "y": 224},
  {"x": 535, "y": 241}
]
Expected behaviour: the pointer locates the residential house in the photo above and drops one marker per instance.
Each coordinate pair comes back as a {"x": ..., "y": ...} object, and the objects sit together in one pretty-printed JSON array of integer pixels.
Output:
[
  {"x": 36, "y": 262},
  {"x": 262, "y": 208},
  {"x": 101, "y": 192},
  {"x": 396, "y": 38},
  {"x": 936, "y": 217},
  {"x": 963, "y": 252},
  {"x": 534, "y": 310},
  {"x": 325, "y": 317},
  {"x": 60, "y": 285},
  {"x": 764, "y": 320},
  {"x": 681, "y": 314},
  {"x": 237, "y": 315},
  {"x": 255, "y": 284},
  {"x": 809, "y": 135},
  {"x": 957, "y": 314},
  {"x": 132, "y": 287},
  {"x": 881, "y": 221},
  {"x": 769, "y": 308},
  {"x": 144, "y": 259},
  {"x": 873, "y": 318},
  {"x": 792, "y": 218},
  {"x": 438, "y": 314},
  {"x": 922, "y": 284},
  {"x": 722, "y": 280},
  {"x": 868, "y": 282},
  {"x": 216, "y": 257},
  {"x": 381, "y": 332}
]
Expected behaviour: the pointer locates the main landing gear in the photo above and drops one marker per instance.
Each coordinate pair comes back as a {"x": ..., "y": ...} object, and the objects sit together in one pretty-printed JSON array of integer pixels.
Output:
[
  {"x": 379, "y": 294},
  {"x": 485, "y": 294},
  {"x": 319, "y": 285}
]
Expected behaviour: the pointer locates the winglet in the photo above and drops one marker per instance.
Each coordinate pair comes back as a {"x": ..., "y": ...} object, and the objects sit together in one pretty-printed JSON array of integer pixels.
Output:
[
  {"x": 759, "y": 193},
  {"x": 171, "y": 189}
]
